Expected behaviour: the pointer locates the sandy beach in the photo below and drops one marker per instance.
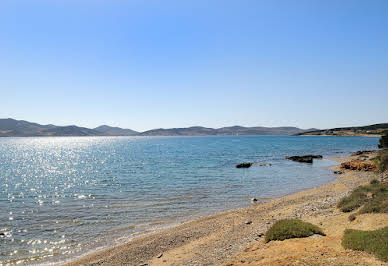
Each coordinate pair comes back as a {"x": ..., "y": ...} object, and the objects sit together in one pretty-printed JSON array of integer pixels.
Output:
[{"x": 237, "y": 237}]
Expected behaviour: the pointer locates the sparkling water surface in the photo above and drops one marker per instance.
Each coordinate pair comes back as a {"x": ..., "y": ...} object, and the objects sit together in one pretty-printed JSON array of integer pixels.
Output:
[{"x": 64, "y": 196}]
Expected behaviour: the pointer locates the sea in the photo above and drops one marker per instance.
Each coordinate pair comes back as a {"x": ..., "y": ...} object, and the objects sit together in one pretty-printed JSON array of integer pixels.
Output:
[{"x": 62, "y": 197}]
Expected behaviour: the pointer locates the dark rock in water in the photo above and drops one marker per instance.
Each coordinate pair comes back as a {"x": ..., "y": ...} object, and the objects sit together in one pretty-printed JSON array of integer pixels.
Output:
[
  {"x": 244, "y": 165},
  {"x": 304, "y": 158},
  {"x": 253, "y": 199},
  {"x": 316, "y": 156},
  {"x": 265, "y": 164},
  {"x": 2, "y": 234}
]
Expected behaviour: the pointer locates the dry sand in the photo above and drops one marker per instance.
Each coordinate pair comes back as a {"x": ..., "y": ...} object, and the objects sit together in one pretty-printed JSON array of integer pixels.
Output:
[{"x": 237, "y": 237}]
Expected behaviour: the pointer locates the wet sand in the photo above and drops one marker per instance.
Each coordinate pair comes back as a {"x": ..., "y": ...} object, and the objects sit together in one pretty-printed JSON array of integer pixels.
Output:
[{"x": 237, "y": 237}]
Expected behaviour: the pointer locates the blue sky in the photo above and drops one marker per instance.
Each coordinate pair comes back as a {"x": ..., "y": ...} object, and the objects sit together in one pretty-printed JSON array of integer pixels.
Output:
[{"x": 151, "y": 64}]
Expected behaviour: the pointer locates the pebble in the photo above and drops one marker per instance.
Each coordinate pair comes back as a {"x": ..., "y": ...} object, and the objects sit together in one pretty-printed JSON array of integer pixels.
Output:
[
  {"x": 248, "y": 222},
  {"x": 160, "y": 255}
]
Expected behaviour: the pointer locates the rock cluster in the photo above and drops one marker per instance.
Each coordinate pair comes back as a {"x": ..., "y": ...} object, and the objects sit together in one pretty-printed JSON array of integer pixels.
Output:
[
  {"x": 244, "y": 165},
  {"x": 264, "y": 164},
  {"x": 358, "y": 165},
  {"x": 304, "y": 158},
  {"x": 247, "y": 165}
]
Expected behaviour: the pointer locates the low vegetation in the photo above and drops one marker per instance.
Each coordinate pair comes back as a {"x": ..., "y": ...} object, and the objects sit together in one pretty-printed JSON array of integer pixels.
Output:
[
  {"x": 383, "y": 143},
  {"x": 377, "y": 129},
  {"x": 291, "y": 228},
  {"x": 381, "y": 160},
  {"x": 372, "y": 198},
  {"x": 374, "y": 242}
]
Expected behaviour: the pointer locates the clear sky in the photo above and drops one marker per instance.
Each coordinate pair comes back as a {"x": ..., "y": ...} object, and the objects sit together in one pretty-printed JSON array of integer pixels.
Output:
[{"x": 150, "y": 64}]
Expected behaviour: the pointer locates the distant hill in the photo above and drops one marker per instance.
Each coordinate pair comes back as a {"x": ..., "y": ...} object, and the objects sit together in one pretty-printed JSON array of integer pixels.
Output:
[
  {"x": 376, "y": 129},
  {"x": 190, "y": 131},
  {"x": 235, "y": 130},
  {"x": 115, "y": 131},
  {"x": 70, "y": 131},
  {"x": 20, "y": 128}
]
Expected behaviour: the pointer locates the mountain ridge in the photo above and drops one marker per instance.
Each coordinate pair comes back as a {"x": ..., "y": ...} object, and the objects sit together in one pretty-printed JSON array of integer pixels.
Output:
[
  {"x": 20, "y": 128},
  {"x": 233, "y": 130}
]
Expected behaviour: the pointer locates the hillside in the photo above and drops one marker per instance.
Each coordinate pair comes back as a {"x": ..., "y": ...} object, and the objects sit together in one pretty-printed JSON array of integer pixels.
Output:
[
  {"x": 376, "y": 129},
  {"x": 115, "y": 131},
  {"x": 70, "y": 131},
  {"x": 235, "y": 130},
  {"x": 20, "y": 128},
  {"x": 190, "y": 131}
]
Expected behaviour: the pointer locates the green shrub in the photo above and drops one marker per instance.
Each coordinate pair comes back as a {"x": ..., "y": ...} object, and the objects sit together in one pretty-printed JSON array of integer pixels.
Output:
[
  {"x": 379, "y": 201},
  {"x": 374, "y": 242},
  {"x": 383, "y": 143},
  {"x": 373, "y": 198},
  {"x": 381, "y": 160},
  {"x": 352, "y": 202},
  {"x": 291, "y": 228}
]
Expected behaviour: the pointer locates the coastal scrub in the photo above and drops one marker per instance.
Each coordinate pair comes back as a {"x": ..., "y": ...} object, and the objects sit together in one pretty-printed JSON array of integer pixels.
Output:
[
  {"x": 383, "y": 142},
  {"x": 381, "y": 160},
  {"x": 291, "y": 228},
  {"x": 373, "y": 198},
  {"x": 374, "y": 242}
]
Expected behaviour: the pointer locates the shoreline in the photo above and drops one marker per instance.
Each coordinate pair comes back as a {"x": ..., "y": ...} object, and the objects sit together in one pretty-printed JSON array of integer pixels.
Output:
[{"x": 221, "y": 237}]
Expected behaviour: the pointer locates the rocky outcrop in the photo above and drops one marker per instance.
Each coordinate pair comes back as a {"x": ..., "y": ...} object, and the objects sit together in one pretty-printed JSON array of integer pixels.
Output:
[
  {"x": 247, "y": 165},
  {"x": 358, "y": 165},
  {"x": 244, "y": 165},
  {"x": 304, "y": 158}
]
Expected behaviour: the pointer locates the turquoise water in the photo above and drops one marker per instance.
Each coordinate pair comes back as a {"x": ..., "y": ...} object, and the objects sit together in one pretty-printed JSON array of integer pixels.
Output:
[{"x": 64, "y": 196}]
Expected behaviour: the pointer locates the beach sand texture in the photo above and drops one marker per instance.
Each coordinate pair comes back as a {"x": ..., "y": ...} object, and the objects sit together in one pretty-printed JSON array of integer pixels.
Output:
[{"x": 237, "y": 237}]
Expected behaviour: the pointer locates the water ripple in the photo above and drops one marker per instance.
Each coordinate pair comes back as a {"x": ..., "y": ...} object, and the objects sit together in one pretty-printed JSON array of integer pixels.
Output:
[{"x": 62, "y": 196}]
